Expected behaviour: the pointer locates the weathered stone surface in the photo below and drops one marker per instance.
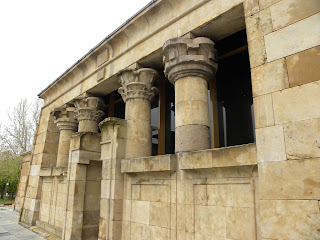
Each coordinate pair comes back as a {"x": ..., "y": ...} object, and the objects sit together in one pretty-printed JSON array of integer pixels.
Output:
[
  {"x": 222, "y": 157},
  {"x": 191, "y": 138},
  {"x": 302, "y": 139},
  {"x": 266, "y": 3},
  {"x": 263, "y": 111},
  {"x": 297, "y": 103},
  {"x": 257, "y": 52},
  {"x": 140, "y": 211},
  {"x": 240, "y": 224},
  {"x": 290, "y": 219},
  {"x": 259, "y": 24},
  {"x": 287, "y": 12},
  {"x": 298, "y": 179},
  {"x": 269, "y": 78},
  {"x": 270, "y": 144},
  {"x": 294, "y": 38},
  {"x": 303, "y": 67},
  {"x": 160, "y": 214},
  {"x": 149, "y": 164}
]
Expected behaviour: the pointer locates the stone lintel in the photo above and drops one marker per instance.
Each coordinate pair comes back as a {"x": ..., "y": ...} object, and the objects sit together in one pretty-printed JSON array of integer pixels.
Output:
[
  {"x": 158, "y": 163},
  {"x": 185, "y": 57},
  {"x": 242, "y": 155},
  {"x": 138, "y": 83}
]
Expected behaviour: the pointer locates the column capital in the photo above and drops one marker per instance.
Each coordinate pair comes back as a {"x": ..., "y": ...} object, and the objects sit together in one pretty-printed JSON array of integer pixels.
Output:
[
  {"x": 185, "y": 57},
  {"x": 64, "y": 118},
  {"x": 89, "y": 113},
  {"x": 88, "y": 108},
  {"x": 138, "y": 83}
]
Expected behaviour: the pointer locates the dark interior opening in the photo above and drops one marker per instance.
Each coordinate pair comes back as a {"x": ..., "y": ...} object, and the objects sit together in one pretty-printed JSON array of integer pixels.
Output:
[{"x": 234, "y": 91}]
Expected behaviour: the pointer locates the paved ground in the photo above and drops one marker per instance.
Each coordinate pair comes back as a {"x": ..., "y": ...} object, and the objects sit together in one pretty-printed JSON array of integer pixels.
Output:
[{"x": 11, "y": 230}]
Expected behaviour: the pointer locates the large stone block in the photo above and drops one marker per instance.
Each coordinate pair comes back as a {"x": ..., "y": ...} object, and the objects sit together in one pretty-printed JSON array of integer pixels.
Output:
[
  {"x": 287, "y": 12},
  {"x": 298, "y": 179},
  {"x": 293, "y": 38},
  {"x": 263, "y": 111},
  {"x": 269, "y": 78},
  {"x": 290, "y": 219},
  {"x": 302, "y": 139},
  {"x": 270, "y": 144},
  {"x": 297, "y": 103},
  {"x": 303, "y": 67}
]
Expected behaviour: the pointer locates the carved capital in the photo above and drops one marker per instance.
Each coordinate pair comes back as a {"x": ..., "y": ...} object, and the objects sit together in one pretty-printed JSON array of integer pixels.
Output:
[
  {"x": 184, "y": 57},
  {"x": 88, "y": 108},
  {"x": 64, "y": 117},
  {"x": 138, "y": 83}
]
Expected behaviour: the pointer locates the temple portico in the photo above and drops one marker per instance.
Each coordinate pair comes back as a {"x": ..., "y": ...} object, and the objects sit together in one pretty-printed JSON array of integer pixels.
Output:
[{"x": 193, "y": 120}]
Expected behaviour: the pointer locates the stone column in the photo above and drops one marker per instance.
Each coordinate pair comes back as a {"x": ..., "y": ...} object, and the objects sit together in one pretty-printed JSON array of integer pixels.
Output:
[
  {"x": 67, "y": 124},
  {"x": 189, "y": 65},
  {"x": 88, "y": 112},
  {"x": 137, "y": 92}
]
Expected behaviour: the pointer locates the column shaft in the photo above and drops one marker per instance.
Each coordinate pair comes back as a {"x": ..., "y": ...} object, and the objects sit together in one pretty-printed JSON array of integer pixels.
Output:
[
  {"x": 139, "y": 135},
  {"x": 192, "y": 114},
  {"x": 64, "y": 147}
]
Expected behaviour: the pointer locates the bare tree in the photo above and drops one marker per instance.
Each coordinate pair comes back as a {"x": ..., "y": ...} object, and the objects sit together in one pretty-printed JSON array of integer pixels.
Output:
[{"x": 17, "y": 136}]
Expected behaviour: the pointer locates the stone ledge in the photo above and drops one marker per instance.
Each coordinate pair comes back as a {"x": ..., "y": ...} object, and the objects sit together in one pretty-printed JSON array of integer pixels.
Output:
[
  {"x": 46, "y": 172},
  {"x": 59, "y": 171},
  {"x": 158, "y": 163},
  {"x": 235, "y": 156},
  {"x": 53, "y": 171}
]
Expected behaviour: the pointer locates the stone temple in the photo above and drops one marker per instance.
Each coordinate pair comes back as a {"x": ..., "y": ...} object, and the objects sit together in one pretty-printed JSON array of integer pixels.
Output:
[{"x": 196, "y": 119}]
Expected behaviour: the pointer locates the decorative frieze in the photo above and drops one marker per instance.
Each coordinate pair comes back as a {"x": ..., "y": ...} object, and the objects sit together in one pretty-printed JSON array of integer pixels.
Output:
[{"x": 88, "y": 112}]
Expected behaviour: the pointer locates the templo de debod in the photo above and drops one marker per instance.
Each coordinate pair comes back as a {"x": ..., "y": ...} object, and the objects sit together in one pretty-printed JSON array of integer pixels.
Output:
[{"x": 196, "y": 119}]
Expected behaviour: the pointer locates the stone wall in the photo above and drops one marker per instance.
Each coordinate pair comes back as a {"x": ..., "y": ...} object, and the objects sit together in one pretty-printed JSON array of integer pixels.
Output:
[{"x": 283, "y": 40}]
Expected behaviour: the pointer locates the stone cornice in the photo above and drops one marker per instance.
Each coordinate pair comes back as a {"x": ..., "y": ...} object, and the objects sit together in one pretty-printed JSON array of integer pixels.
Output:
[
  {"x": 184, "y": 57},
  {"x": 138, "y": 84}
]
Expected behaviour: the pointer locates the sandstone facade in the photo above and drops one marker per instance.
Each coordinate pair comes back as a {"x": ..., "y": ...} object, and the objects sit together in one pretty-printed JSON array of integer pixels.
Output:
[{"x": 214, "y": 133}]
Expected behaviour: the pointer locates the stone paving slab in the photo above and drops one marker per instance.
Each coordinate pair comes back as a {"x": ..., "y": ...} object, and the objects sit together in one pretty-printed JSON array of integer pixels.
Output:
[{"x": 11, "y": 230}]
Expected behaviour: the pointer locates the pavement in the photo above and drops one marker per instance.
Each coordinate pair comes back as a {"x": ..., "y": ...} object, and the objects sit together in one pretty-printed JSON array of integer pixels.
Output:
[{"x": 11, "y": 230}]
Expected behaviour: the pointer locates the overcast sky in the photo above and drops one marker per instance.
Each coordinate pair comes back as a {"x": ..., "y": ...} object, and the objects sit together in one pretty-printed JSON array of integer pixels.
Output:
[{"x": 40, "y": 39}]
